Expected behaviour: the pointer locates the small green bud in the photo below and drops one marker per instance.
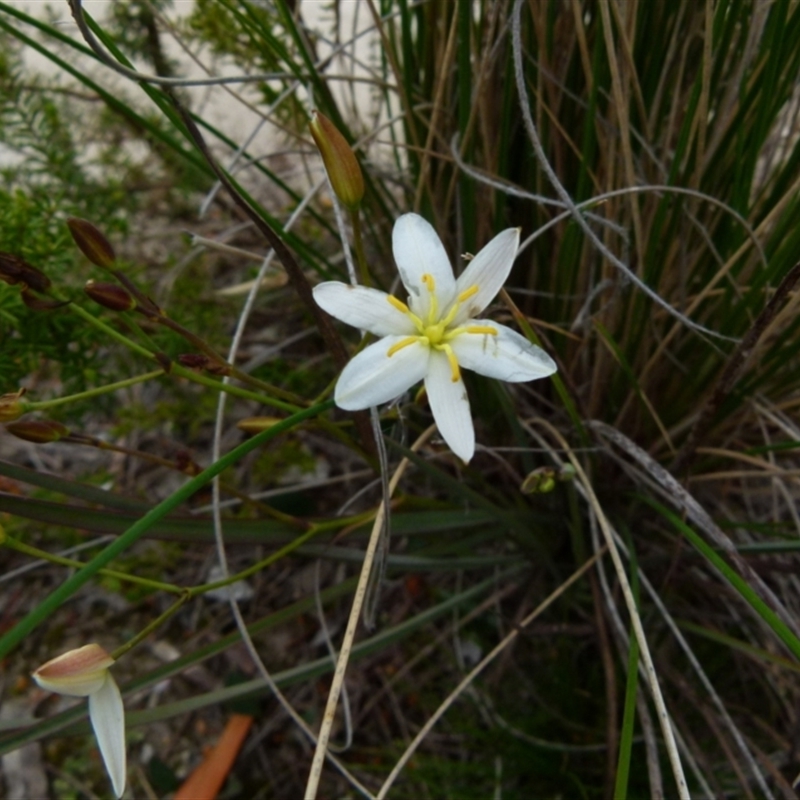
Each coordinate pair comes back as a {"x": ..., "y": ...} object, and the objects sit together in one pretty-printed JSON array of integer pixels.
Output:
[
  {"x": 91, "y": 242},
  {"x": 541, "y": 481},
  {"x": 110, "y": 295},
  {"x": 11, "y": 407},
  {"x": 38, "y": 431},
  {"x": 340, "y": 161}
]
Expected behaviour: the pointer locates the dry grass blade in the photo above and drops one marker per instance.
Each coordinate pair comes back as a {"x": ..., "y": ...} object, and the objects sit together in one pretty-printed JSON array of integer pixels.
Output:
[
  {"x": 315, "y": 772},
  {"x": 630, "y": 603},
  {"x": 475, "y": 671},
  {"x": 669, "y": 488}
]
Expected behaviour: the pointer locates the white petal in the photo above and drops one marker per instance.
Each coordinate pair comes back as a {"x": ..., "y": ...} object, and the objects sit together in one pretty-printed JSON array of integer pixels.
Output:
[
  {"x": 488, "y": 271},
  {"x": 373, "y": 377},
  {"x": 107, "y": 715},
  {"x": 450, "y": 406},
  {"x": 419, "y": 251},
  {"x": 362, "y": 307},
  {"x": 507, "y": 356}
]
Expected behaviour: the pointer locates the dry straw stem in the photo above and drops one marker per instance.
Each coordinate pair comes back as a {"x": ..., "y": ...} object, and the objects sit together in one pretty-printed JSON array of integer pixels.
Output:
[
  {"x": 636, "y": 622},
  {"x": 76, "y": 6},
  {"x": 541, "y": 157},
  {"x": 668, "y": 487},
  {"x": 734, "y": 369},
  {"x": 468, "y": 679},
  {"x": 329, "y": 715}
]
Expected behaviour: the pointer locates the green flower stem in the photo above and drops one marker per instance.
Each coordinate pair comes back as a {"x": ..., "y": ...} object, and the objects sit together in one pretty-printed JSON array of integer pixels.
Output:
[
  {"x": 358, "y": 243},
  {"x": 313, "y": 531},
  {"x": 58, "y": 597},
  {"x": 100, "y": 390},
  {"x": 35, "y": 552},
  {"x": 177, "y": 369},
  {"x": 107, "y": 329},
  {"x": 206, "y": 349},
  {"x": 148, "y": 629},
  {"x": 236, "y": 391}
]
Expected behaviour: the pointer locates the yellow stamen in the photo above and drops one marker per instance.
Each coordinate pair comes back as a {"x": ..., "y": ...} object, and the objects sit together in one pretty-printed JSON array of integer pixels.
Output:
[
  {"x": 398, "y": 304},
  {"x": 481, "y": 329},
  {"x": 455, "y": 372},
  {"x": 428, "y": 280},
  {"x": 467, "y": 293},
  {"x": 401, "y": 344}
]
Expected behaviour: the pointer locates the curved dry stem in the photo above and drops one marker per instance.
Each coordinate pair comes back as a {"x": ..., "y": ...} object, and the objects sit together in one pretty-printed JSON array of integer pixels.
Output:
[
  {"x": 468, "y": 679},
  {"x": 315, "y": 773},
  {"x": 630, "y": 603},
  {"x": 541, "y": 157}
]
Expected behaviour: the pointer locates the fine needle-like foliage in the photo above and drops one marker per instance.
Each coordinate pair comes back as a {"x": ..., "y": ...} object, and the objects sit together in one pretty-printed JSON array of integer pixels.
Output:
[{"x": 403, "y": 566}]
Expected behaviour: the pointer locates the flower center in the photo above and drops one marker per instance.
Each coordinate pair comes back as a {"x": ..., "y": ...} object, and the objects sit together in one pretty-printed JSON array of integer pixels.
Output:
[{"x": 435, "y": 332}]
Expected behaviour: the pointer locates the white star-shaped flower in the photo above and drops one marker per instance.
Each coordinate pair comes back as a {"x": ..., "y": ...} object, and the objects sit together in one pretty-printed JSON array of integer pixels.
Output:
[
  {"x": 84, "y": 673},
  {"x": 436, "y": 334}
]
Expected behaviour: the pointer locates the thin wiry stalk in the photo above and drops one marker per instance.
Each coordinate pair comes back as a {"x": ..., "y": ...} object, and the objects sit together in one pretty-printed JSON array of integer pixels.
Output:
[
  {"x": 541, "y": 157},
  {"x": 159, "y": 80},
  {"x": 646, "y": 659},
  {"x": 315, "y": 772},
  {"x": 477, "y": 669}
]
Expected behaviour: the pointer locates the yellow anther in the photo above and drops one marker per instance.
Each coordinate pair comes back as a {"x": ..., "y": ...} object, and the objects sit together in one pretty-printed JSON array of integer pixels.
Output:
[
  {"x": 401, "y": 344},
  {"x": 455, "y": 372},
  {"x": 428, "y": 280},
  {"x": 398, "y": 304},
  {"x": 467, "y": 293},
  {"x": 481, "y": 329}
]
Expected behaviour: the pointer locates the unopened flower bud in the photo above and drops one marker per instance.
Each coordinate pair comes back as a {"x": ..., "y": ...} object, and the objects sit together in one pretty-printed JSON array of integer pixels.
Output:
[
  {"x": 14, "y": 270},
  {"x": 200, "y": 362},
  {"x": 36, "y": 303},
  {"x": 110, "y": 295},
  {"x": 257, "y": 424},
  {"x": 38, "y": 431},
  {"x": 340, "y": 161},
  {"x": 11, "y": 407},
  {"x": 84, "y": 672},
  {"x": 91, "y": 242}
]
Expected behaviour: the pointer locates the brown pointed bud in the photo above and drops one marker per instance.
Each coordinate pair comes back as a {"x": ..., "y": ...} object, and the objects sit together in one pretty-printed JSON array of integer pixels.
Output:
[
  {"x": 183, "y": 461},
  {"x": 36, "y": 303},
  {"x": 257, "y": 424},
  {"x": 11, "y": 407},
  {"x": 38, "y": 431},
  {"x": 200, "y": 362},
  {"x": 91, "y": 242},
  {"x": 340, "y": 161},
  {"x": 110, "y": 295},
  {"x": 193, "y": 361},
  {"x": 14, "y": 269}
]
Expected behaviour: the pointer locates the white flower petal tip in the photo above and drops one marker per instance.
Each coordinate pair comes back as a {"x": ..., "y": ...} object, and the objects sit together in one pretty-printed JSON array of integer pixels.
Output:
[
  {"x": 434, "y": 334},
  {"x": 83, "y": 672},
  {"x": 107, "y": 715}
]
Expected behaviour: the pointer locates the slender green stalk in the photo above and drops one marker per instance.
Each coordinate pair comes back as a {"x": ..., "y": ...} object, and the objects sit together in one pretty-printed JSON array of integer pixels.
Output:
[
  {"x": 42, "y": 405},
  {"x": 150, "y": 627},
  {"x": 57, "y": 598},
  {"x": 53, "y": 558},
  {"x": 358, "y": 244}
]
